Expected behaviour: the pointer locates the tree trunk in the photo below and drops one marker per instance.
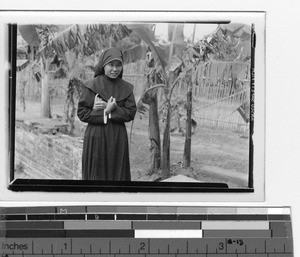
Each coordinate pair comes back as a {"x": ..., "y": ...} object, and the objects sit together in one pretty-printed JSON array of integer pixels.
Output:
[
  {"x": 188, "y": 134},
  {"x": 70, "y": 108},
  {"x": 154, "y": 135},
  {"x": 166, "y": 139},
  {"x": 72, "y": 115},
  {"x": 150, "y": 98},
  {"x": 45, "y": 94}
]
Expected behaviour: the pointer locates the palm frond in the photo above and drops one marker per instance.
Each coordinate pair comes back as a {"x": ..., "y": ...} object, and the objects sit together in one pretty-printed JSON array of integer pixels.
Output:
[{"x": 91, "y": 37}]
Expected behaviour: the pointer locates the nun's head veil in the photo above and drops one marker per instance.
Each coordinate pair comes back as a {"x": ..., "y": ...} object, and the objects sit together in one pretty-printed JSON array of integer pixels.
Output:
[{"x": 106, "y": 57}]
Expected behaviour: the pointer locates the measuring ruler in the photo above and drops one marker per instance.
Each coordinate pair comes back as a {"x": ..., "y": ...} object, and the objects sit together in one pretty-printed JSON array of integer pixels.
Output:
[{"x": 145, "y": 231}]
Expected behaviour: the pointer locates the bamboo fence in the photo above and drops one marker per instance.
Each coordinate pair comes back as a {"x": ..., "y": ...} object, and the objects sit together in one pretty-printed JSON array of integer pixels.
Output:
[{"x": 219, "y": 88}]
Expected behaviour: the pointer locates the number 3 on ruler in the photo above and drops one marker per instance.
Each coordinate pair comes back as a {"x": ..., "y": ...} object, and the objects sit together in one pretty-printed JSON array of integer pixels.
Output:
[{"x": 221, "y": 246}]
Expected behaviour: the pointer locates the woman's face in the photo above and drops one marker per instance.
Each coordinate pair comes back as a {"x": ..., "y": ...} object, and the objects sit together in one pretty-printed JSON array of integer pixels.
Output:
[{"x": 113, "y": 69}]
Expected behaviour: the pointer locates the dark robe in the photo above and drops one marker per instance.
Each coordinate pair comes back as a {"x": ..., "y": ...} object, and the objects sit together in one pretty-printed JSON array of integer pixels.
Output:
[{"x": 105, "y": 148}]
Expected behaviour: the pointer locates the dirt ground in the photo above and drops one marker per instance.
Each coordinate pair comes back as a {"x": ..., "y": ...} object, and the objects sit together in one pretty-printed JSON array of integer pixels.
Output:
[{"x": 218, "y": 155}]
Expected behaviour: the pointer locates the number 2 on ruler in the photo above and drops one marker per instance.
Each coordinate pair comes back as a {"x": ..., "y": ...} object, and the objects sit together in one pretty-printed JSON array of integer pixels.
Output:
[{"x": 142, "y": 246}]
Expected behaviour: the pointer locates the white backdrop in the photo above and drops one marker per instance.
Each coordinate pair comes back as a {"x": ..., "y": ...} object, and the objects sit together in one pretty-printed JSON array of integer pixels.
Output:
[{"x": 282, "y": 86}]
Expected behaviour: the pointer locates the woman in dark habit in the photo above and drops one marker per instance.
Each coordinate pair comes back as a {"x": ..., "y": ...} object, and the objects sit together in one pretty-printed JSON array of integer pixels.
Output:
[{"x": 106, "y": 103}]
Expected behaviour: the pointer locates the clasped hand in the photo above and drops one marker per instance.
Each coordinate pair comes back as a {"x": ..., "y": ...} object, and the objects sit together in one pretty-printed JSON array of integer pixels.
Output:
[
  {"x": 99, "y": 103},
  {"x": 111, "y": 105}
]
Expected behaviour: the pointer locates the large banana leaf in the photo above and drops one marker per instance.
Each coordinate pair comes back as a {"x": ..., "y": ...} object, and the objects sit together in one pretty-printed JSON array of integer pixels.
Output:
[
  {"x": 162, "y": 52},
  {"x": 86, "y": 38},
  {"x": 229, "y": 42},
  {"x": 145, "y": 32},
  {"x": 237, "y": 30},
  {"x": 175, "y": 35},
  {"x": 94, "y": 37},
  {"x": 134, "y": 54},
  {"x": 30, "y": 35}
]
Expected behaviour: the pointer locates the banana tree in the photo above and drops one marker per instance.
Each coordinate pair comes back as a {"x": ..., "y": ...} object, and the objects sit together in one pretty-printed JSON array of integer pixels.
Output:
[
  {"x": 149, "y": 97},
  {"x": 178, "y": 63},
  {"x": 37, "y": 39},
  {"x": 76, "y": 70},
  {"x": 169, "y": 59}
]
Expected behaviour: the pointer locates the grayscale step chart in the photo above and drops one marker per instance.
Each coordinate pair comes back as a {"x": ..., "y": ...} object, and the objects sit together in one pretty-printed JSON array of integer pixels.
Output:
[{"x": 141, "y": 231}]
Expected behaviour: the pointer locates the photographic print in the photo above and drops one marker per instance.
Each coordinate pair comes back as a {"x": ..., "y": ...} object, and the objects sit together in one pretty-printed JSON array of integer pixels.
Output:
[{"x": 134, "y": 106}]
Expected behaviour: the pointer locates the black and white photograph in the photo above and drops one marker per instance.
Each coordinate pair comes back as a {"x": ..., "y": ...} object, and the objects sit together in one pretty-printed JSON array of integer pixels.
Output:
[
  {"x": 143, "y": 104},
  {"x": 150, "y": 109}
]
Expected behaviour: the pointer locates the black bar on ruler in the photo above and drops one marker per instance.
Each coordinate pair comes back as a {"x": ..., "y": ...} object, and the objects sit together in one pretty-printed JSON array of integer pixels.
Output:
[
  {"x": 162, "y": 217},
  {"x": 35, "y": 233},
  {"x": 131, "y": 216},
  {"x": 279, "y": 217},
  {"x": 35, "y": 225},
  {"x": 221, "y": 217},
  {"x": 101, "y": 216},
  {"x": 116, "y": 233},
  {"x": 69, "y": 216},
  {"x": 192, "y": 217},
  {"x": 40, "y": 217},
  {"x": 14, "y": 217},
  {"x": 252, "y": 217}
]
